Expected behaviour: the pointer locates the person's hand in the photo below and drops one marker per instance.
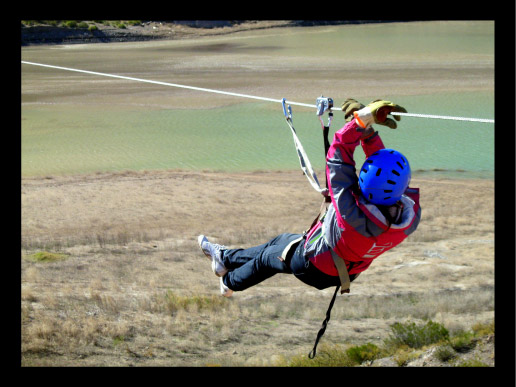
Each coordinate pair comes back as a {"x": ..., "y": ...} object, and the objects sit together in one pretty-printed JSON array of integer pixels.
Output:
[
  {"x": 376, "y": 112},
  {"x": 349, "y": 107}
]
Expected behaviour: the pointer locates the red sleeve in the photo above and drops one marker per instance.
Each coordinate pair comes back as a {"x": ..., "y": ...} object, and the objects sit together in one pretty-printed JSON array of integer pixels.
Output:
[
  {"x": 348, "y": 138},
  {"x": 345, "y": 140},
  {"x": 372, "y": 144}
]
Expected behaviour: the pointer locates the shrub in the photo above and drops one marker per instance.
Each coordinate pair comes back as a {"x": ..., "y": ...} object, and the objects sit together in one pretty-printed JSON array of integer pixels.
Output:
[
  {"x": 483, "y": 329},
  {"x": 472, "y": 363},
  {"x": 362, "y": 353},
  {"x": 45, "y": 256},
  {"x": 70, "y": 24},
  {"x": 327, "y": 356},
  {"x": 445, "y": 353},
  {"x": 404, "y": 356},
  {"x": 117, "y": 340},
  {"x": 463, "y": 342},
  {"x": 416, "y": 336}
]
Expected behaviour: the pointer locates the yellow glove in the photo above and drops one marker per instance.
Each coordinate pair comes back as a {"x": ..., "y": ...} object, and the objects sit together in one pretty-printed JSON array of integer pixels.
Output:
[
  {"x": 349, "y": 107},
  {"x": 376, "y": 112}
]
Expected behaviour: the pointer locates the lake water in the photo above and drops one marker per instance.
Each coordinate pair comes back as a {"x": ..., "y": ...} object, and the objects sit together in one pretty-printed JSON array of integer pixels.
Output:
[{"x": 75, "y": 123}]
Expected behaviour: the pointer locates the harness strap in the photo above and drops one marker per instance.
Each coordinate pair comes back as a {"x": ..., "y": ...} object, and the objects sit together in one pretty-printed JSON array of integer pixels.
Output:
[
  {"x": 313, "y": 352},
  {"x": 304, "y": 162},
  {"x": 343, "y": 272},
  {"x": 345, "y": 282},
  {"x": 326, "y": 130},
  {"x": 289, "y": 247}
]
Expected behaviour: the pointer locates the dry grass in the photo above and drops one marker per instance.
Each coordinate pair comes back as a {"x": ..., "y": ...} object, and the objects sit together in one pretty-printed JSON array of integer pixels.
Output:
[{"x": 134, "y": 289}]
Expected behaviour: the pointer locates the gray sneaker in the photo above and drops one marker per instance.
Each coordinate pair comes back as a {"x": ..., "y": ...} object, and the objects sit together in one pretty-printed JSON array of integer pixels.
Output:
[{"x": 212, "y": 250}]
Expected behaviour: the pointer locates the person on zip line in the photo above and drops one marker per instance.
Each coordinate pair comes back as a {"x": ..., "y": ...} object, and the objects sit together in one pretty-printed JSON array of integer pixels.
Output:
[{"x": 363, "y": 217}]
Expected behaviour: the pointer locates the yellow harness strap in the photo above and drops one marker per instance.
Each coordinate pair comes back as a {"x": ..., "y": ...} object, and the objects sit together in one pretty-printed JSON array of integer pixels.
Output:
[{"x": 343, "y": 272}]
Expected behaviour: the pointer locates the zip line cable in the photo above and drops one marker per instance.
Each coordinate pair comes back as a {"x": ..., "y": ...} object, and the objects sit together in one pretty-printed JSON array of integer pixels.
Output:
[{"x": 246, "y": 95}]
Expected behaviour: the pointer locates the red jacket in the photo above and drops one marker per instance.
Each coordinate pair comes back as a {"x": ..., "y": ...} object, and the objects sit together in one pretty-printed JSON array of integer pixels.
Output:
[{"x": 355, "y": 229}]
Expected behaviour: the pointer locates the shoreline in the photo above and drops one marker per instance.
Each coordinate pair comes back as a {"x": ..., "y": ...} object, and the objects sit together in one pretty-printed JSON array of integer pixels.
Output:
[
  {"x": 431, "y": 174},
  {"x": 164, "y": 30}
]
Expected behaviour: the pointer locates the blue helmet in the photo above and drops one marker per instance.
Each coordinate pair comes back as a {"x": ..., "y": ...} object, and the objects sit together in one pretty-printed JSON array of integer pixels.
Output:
[{"x": 384, "y": 177}]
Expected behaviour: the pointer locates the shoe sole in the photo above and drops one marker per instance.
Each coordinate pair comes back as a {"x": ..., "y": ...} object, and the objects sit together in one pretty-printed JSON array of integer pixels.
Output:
[{"x": 200, "y": 239}]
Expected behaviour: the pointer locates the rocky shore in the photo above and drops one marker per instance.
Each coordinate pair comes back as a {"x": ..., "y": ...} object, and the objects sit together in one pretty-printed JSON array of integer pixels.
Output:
[{"x": 158, "y": 30}]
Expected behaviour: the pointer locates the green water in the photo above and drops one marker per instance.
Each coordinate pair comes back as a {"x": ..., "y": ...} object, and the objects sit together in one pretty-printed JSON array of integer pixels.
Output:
[
  {"x": 80, "y": 124},
  {"x": 246, "y": 137}
]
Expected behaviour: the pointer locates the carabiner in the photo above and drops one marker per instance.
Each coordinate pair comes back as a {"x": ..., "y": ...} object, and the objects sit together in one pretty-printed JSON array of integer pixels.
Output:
[
  {"x": 323, "y": 104},
  {"x": 289, "y": 115}
]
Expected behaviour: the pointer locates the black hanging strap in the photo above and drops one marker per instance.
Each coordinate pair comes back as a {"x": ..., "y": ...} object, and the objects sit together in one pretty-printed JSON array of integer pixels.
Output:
[
  {"x": 311, "y": 355},
  {"x": 326, "y": 202},
  {"x": 326, "y": 130}
]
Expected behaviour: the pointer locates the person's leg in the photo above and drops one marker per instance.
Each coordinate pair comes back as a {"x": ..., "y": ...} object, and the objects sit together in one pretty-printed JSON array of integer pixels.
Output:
[
  {"x": 234, "y": 258},
  {"x": 248, "y": 267},
  {"x": 305, "y": 271}
]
